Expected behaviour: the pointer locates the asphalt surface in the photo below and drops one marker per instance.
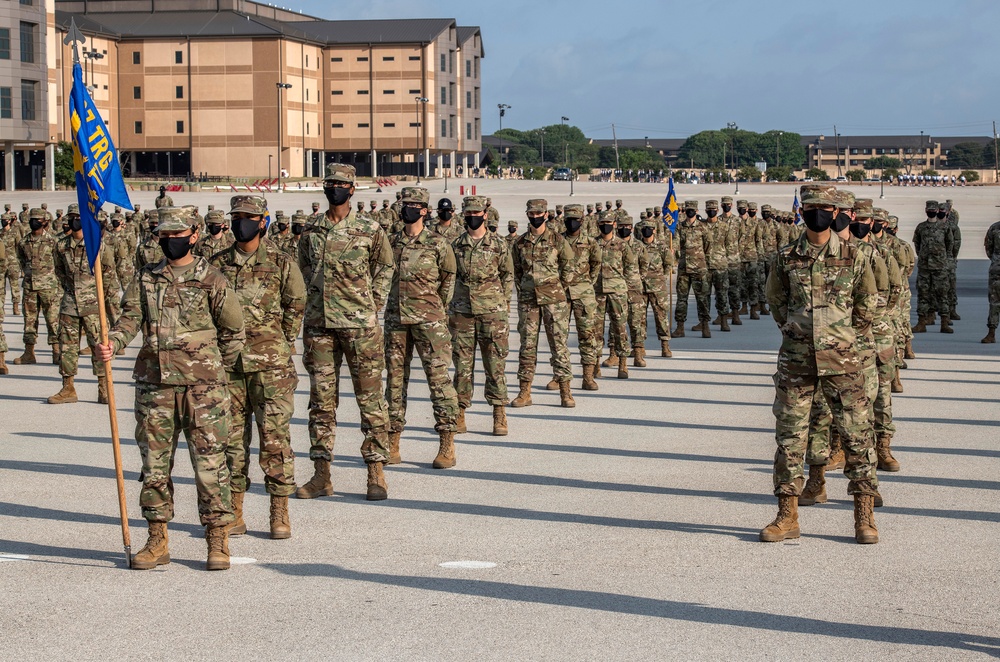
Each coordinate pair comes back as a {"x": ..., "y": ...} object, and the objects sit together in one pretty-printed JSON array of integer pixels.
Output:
[{"x": 625, "y": 528}]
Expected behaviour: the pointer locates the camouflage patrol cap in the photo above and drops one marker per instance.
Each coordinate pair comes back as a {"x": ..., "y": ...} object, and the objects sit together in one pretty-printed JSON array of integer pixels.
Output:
[
  {"x": 385, "y": 201},
  {"x": 215, "y": 215},
  {"x": 537, "y": 205},
  {"x": 398, "y": 195},
  {"x": 6, "y": 207},
  {"x": 818, "y": 194},
  {"x": 691, "y": 204},
  {"x": 727, "y": 200},
  {"x": 24, "y": 206},
  {"x": 942, "y": 206},
  {"x": 741, "y": 203},
  {"x": 881, "y": 215},
  {"x": 361, "y": 205},
  {"x": 624, "y": 219},
  {"x": 649, "y": 210},
  {"x": 72, "y": 208},
  {"x": 550, "y": 212},
  {"x": 764, "y": 208},
  {"x": 299, "y": 218},
  {"x": 118, "y": 209},
  {"x": 101, "y": 215},
  {"x": 211, "y": 208},
  {"x": 299, "y": 212},
  {"x": 473, "y": 203},
  {"x": 845, "y": 199},
  {"x": 45, "y": 205},
  {"x": 931, "y": 204},
  {"x": 618, "y": 201},
  {"x": 279, "y": 214},
  {"x": 59, "y": 212},
  {"x": 893, "y": 222},
  {"x": 590, "y": 207},
  {"x": 711, "y": 204},
  {"x": 416, "y": 194},
  {"x": 511, "y": 224},
  {"x": 39, "y": 213},
  {"x": 607, "y": 203},
  {"x": 599, "y": 206},
  {"x": 658, "y": 210},
  {"x": 174, "y": 219},
  {"x": 315, "y": 206},
  {"x": 559, "y": 208},
  {"x": 573, "y": 211},
  {"x": 752, "y": 206},
  {"x": 255, "y": 205},
  {"x": 643, "y": 216},
  {"x": 340, "y": 172},
  {"x": 374, "y": 204},
  {"x": 863, "y": 208}
]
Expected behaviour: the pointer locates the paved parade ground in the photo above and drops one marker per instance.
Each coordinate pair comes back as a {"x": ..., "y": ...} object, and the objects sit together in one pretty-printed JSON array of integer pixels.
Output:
[{"x": 623, "y": 529}]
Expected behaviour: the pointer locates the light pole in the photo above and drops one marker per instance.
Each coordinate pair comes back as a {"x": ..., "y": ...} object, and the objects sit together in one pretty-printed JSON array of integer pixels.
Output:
[
  {"x": 563, "y": 120},
  {"x": 420, "y": 124},
  {"x": 502, "y": 107},
  {"x": 777, "y": 150},
  {"x": 541, "y": 161},
  {"x": 280, "y": 86},
  {"x": 92, "y": 55},
  {"x": 269, "y": 157}
]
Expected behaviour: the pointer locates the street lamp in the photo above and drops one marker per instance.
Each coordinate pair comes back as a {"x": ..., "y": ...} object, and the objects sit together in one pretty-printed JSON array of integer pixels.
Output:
[
  {"x": 502, "y": 107},
  {"x": 563, "y": 120},
  {"x": 92, "y": 55},
  {"x": 541, "y": 162},
  {"x": 420, "y": 124},
  {"x": 280, "y": 86},
  {"x": 777, "y": 149}
]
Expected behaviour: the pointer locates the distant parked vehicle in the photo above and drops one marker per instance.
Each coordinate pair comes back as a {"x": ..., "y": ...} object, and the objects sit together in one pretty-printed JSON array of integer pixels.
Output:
[{"x": 562, "y": 175}]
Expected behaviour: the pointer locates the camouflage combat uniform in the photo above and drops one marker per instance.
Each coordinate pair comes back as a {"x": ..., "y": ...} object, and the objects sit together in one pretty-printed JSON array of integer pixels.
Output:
[
  {"x": 37, "y": 257},
  {"x": 992, "y": 244},
  {"x": 656, "y": 262},
  {"x": 210, "y": 244},
  {"x": 692, "y": 268},
  {"x": 717, "y": 260},
  {"x": 619, "y": 267},
  {"x": 751, "y": 281},
  {"x": 581, "y": 275},
  {"x": 10, "y": 269},
  {"x": 735, "y": 270},
  {"x": 163, "y": 200},
  {"x": 956, "y": 245},
  {"x": 932, "y": 241}
]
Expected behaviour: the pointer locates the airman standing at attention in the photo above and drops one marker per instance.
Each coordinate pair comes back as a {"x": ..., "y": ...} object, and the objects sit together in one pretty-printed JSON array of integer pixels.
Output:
[
  {"x": 656, "y": 261},
  {"x": 951, "y": 218},
  {"x": 717, "y": 259},
  {"x": 36, "y": 255},
  {"x": 149, "y": 251},
  {"x": 511, "y": 233},
  {"x": 692, "y": 271},
  {"x": 163, "y": 200},
  {"x": 619, "y": 267},
  {"x": 445, "y": 224},
  {"x": 10, "y": 270},
  {"x": 492, "y": 215},
  {"x": 581, "y": 276},
  {"x": 933, "y": 242},
  {"x": 733, "y": 254},
  {"x": 218, "y": 238},
  {"x": 992, "y": 244}
]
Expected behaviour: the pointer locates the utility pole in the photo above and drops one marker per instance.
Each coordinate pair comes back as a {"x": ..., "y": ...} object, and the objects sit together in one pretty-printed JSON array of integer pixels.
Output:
[
  {"x": 542, "y": 160},
  {"x": 618, "y": 165},
  {"x": 280, "y": 86},
  {"x": 996, "y": 161},
  {"x": 502, "y": 107},
  {"x": 837, "y": 135}
]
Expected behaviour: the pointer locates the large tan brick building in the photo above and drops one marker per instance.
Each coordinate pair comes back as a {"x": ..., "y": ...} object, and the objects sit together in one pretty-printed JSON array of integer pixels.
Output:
[{"x": 232, "y": 88}]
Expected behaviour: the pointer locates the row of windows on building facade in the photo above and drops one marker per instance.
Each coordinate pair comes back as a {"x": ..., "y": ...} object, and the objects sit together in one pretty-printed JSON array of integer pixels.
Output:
[
  {"x": 447, "y": 126},
  {"x": 27, "y": 42}
]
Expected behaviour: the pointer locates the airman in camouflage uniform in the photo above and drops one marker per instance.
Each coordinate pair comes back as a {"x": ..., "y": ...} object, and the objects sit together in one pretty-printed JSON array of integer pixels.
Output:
[
  {"x": 768, "y": 243},
  {"x": 692, "y": 270},
  {"x": 163, "y": 200},
  {"x": 10, "y": 270},
  {"x": 733, "y": 254},
  {"x": 269, "y": 287},
  {"x": 36, "y": 257},
  {"x": 933, "y": 242},
  {"x": 656, "y": 262},
  {"x": 951, "y": 217},
  {"x": 193, "y": 334},
  {"x": 149, "y": 251},
  {"x": 749, "y": 267},
  {"x": 79, "y": 309},
  {"x": 397, "y": 206},
  {"x": 581, "y": 276},
  {"x": 907, "y": 260},
  {"x": 445, "y": 223},
  {"x": 492, "y": 215},
  {"x": 347, "y": 266},
  {"x": 416, "y": 318},
  {"x": 992, "y": 245},
  {"x": 217, "y": 238},
  {"x": 636, "y": 311},
  {"x": 286, "y": 240},
  {"x": 541, "y": 262},
  {"x": 619, "y": 268},
  {"x": 511, "y": 233},
  {"x": 818, "y": 352},
  {"x": 717, "y": 260},
  {"x": 3, "y": 339},
  {"x": 479, "y": 313}
]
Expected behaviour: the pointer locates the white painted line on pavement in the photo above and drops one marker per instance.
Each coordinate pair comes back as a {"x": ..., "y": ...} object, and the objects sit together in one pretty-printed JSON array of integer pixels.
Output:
[
  {"x": 14, "y": 557},
  {"x": 468, "y": 565},
  {"x": 242, "y": 560}
]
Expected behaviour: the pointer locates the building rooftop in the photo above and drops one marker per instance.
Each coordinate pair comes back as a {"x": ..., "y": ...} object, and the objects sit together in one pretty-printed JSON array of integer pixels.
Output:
[{"x": 390, "y": 31}]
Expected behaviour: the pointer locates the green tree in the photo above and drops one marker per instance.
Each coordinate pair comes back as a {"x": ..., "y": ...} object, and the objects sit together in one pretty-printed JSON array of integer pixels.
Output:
[
  {"x": 966, "y": 155},
  {"x": 970, "y": 176},
  {"x": 855, "y": 175},
  {"x": 707, "y": 148},
  {"x": 817, "y": 174},
  {"x": 65, "y": 174},
  {"x": 640, "y": 159},
  {"x": 891, "y": 173},
  {"x": 778, "y": 174},
  {"x": 884, "y": 162},
  {"x": 749, "y": 173},
  {"x": 929, "y": 172}
]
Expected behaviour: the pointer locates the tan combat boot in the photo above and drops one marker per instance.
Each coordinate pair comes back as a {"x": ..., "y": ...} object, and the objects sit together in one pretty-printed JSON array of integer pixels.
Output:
[
  {"x": 85, "y": 351},
  {"x": 565, "y": 396},
  {"x": 28, "y": 357},
  {"x": 622, "y": 367},
  {"x": 897, "y": 383},
  {"x": 946, "y": 324},
  {"x": 864, "y": 520},
  {"x": 886, "y": 462},
  {"x": 3, "y": 365},
  {"x": 319, "y": 485},
  {"x": 553, "y": 385},
  {"x": 102, "y": 389},
  {"x": 908, "y": 350},
  {"x": 499, "y": 421},
  {"x": 764, "y": 310},
  {"x": 377, "y": 488},
  {"x": 281, "y": 528},
  {"x": 718, "y": 320},
  {"x": 597, "y": 367},
  {"x": 991, "y": 336},
  {"x": 523, "y": 398},
  {"x": 743, "y": 310},
  {"x": 446, "y": 451},
  {"x": 639, "y": 360},
  {"x": 725, "y": 324},
  {"x": 678, "y": 330},
  {"x": 665, "y": 349},
  {"x": 460, "y": 425},
  {"x": 218, "y": 547},
  {"x": 588, "y": 378},
  {"x": 394, "y": 456},
  {"x": 700, "y": 326},
  {"x": 815, "y": 490},
  {"x": 786, "y": 524},
  {"x": 736, "y": 318},
  {"x": 66, "y": 395},
  {"x": 706, "y": 332},
  {"x": 953, "y": 315},
  {"x": 239, "y": 525},
  {"x": 611, "y": 361},
  {"x": 754, "y": 312},
  {"x": 155, "y": 552},
  {"x": 921, "y": 326}
]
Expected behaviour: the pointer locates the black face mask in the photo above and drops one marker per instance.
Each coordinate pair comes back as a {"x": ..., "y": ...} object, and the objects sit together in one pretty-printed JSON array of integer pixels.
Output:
[
  {"x": 625, "y": 233},
  {"x": 116, "y": 224},
  {"x": 282, "y": 227},
  {"x": 618, "y": 205},
  {"x": 410, "y": 215},
  {"x": 860, "y": 230},
  {"x": 711, "y": 213},
  {"x": 606, "y": 228},
  {"x": 336, "y": 195},
  {"x": 245, "y": 229},
  {"x": 573, "y": 224},
  {"x": 35, "y": 224},
  {"x": 537, "y": 222},
  {"x": 75, "y": 224},
  {"x": 818, "y": 220},
  {"x": 215, "y": 228},
  {"x": 491, "y": 228},
  {"x": 942, "y": 214},
  {"x": 727, "y": 208},
  {"x": 474, "y": 222},
  {"x": 752, "y": 214},
  {"x": 767, "y": 216},
  {"x": 298, "y": 228},
  {"x": 876, "y": 228},
  {"x": 65, "y": 227},
  {"x": 445, "y": 215},
  {"x": 690, "y": 213},
  {"x": 646, "y": 232},
  {"x": 741, "y": 211},
  {"x": 841, "y": 222},
  {"x": 512, "y": 229},
  {"x": 175, "y": 248},
  {"x": 931, "y": 214}
]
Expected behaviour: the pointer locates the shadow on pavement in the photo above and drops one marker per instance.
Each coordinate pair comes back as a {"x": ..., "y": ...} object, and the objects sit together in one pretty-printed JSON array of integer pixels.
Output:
[{"x": 618, "y": 452}]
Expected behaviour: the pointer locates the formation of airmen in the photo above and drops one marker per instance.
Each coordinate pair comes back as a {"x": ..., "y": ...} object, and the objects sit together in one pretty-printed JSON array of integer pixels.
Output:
[{"x": 220, "y": 303}]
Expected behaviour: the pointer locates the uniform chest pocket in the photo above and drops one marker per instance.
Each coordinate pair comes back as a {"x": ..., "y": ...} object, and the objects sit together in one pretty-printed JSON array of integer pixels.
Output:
[
  {"x": 416, "y": 262},
  {"x": 264, "y": 282},
  {"x": 190, "y": 298}
]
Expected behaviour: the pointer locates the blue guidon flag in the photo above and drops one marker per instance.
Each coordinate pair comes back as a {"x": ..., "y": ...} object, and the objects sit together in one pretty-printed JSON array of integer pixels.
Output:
[
  {"x": 797, "y": 209},
  {"x": 95, "y": 160},
  {"x": 671, "y": 209}
]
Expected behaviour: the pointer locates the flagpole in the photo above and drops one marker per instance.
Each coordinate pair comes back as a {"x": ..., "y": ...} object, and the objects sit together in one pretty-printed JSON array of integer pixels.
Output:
[{"x": 670, "y": 287}]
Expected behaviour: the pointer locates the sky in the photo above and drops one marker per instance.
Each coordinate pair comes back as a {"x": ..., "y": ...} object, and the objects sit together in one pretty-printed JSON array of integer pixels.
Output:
[{"x": 666, "y": 69}]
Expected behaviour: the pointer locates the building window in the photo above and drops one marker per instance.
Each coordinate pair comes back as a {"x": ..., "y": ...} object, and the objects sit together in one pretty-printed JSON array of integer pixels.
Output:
[
  {"x": 468, "y": 68},
  {"x": 307, "y": 61},
  {"x": 362, "y": 91},
  {"x": 336, "y": 59},
  {"x": 136, "y": 92},
  {"x": 6, "y": 104},
  {"x": 307, "y": 128},
  {"x": 452, "y": 122},
  {"x": 475, "y": 64},
  {"x": 337, "y": 92},
  {"x": 180, "y": 126},
  {"x": 414, "y": 58},
  {"x": 451, "y": 62},
  {"x": 336, "y": 125},
  {"x": 179, "y": 92},
  {"x": 413, "y": 125},
  {"x": 476, "y": 101},
  {"x": 362, "y": 59},
  {"x": 388, "y": 58},
  {"x": 444, "y": 62},
  {"x": 29, "y": 91},
  {"x": 388, "y": 91},
  {"x": 4, "y": 43},
  {"x": 307, "y": 94},
  {"x": 363, "y": 125},
  {"x": 178, "y": 57},
  {"x": 451, "y": 94},
  {"x": 468, "y": 130},
  {"x": 138, "y": 127},
  {"x": 414, "y": 91},
  {"x": 27, "y": 2},
  {"x": 444, "y": 95},
  {"x": 28, "y": 42},
  {"x": 136, "y": 58},
  {"x": 468, "y": 99},
  {"x": 477, "y": 128},
  {"x": 389, "y": 125},
  {"x": 444, "y": 128}
]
